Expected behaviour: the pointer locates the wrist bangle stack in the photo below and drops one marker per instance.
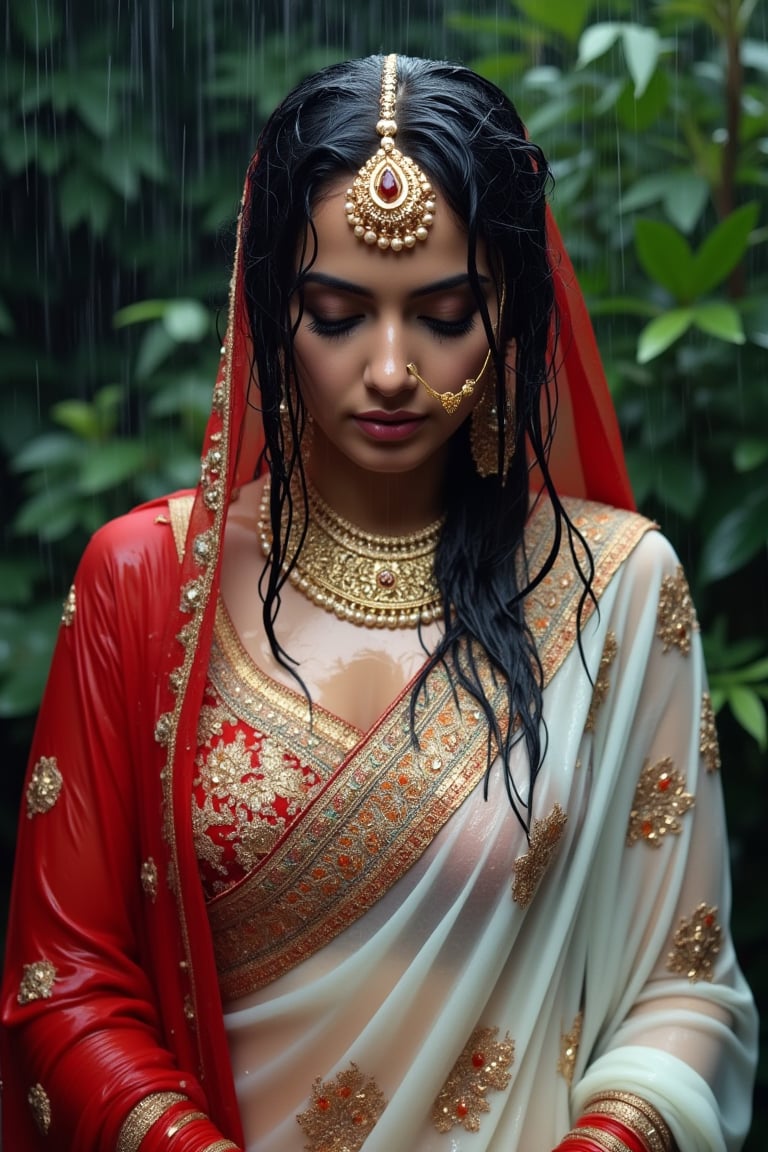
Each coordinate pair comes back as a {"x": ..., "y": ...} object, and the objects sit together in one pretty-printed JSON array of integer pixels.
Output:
[
  {"x": 618, "y": 1122},
  {"x": 146, "y": 1113}
]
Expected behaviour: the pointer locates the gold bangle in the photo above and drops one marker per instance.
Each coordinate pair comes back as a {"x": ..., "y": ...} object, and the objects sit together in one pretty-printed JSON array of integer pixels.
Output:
[
  {"x": 638, "y": 1115},
  {"x": 183, "y": 1120},
  {"x": 141, "y": 1118},
  {"x": 222, "y": 1146}
]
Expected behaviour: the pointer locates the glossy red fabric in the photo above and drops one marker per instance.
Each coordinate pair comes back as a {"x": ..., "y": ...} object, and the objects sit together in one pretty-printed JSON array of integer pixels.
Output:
[{"x": 106, "y": 885}]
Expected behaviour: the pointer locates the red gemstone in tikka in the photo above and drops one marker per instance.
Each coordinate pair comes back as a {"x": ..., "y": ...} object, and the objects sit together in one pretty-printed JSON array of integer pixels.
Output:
[
  {"x": 478, "y": 1059},
  {"x": 389, "y": 186}
]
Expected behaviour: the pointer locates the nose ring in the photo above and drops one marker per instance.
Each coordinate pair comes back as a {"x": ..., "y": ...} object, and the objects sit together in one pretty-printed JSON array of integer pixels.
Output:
[{"x": 449, "y": 400}]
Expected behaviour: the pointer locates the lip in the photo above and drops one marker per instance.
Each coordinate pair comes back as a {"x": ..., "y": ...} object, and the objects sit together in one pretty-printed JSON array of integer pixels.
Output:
[{"x": 389, "y": 426}]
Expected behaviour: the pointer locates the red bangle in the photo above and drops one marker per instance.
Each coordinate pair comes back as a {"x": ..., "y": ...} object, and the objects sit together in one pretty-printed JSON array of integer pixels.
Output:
[{"x": 624, "y": 1133}]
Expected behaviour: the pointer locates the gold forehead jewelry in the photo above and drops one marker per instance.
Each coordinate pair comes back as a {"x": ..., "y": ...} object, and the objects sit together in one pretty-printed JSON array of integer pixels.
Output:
[
  {"x": 391, "y": 203},
  {"x": 374, "y": 581}
]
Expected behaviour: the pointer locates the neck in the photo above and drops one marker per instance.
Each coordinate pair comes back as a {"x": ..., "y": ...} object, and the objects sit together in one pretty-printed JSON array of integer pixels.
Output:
[{"x": 380, "y": 503}]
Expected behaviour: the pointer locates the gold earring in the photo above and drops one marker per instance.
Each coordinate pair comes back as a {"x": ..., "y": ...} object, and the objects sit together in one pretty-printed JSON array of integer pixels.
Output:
[{"x": 484, "y": 435}]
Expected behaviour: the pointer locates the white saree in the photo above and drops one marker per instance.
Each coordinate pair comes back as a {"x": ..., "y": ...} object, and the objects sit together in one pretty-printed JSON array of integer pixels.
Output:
[{"x": 407, "y": 973}]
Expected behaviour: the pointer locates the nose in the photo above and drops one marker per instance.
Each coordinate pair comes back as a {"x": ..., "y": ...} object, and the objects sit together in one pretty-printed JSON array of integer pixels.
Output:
[{"x": 385, "y": 369}]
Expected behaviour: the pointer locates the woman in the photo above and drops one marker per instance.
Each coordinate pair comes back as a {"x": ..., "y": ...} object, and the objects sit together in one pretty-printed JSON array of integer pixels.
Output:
[{"x": 373, "y": 801}]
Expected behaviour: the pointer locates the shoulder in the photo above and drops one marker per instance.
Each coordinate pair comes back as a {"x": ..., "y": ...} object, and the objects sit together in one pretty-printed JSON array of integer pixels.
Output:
[
  {"x": 137, "y": 546},
  {"x": 598, "y": 532}
]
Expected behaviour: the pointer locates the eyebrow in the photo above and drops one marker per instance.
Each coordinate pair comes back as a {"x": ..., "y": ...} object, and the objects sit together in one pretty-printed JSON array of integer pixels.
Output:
[{"x": 339, "y": 285}]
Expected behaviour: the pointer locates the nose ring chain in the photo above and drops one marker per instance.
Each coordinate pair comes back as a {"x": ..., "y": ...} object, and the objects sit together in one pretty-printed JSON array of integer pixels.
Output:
[{"x": 449, "y": 400}]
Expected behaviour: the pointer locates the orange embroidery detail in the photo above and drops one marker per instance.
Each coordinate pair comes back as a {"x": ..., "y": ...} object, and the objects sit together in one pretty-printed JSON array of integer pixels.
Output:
[
  {"x": 342, "y": 1113},
  {"x": 529, "y": 869},
  {"x": 696, "y": 945},
  {"x": 484, "y": 1063},
  {"x": 660, "y": 799}
]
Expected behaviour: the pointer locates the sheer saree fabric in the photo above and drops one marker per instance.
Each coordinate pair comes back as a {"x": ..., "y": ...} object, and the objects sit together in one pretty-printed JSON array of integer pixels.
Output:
[{"x": 111, "y": 988}]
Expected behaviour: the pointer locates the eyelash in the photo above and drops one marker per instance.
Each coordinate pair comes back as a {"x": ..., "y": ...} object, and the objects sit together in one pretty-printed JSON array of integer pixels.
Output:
[{"x": 445, "y": 329}]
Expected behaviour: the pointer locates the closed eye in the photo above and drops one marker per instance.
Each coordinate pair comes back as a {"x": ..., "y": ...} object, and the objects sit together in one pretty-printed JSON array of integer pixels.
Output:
[
  {"x": 450, "y": 328},
  {"x": 332, "y": 329}
]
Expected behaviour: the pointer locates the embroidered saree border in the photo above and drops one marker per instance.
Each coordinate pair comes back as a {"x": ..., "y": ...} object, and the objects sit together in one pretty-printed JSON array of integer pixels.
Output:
[{"x": 380, "y": 811}]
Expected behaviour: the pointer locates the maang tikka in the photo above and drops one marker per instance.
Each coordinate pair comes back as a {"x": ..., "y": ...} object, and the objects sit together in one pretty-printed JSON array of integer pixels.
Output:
[{"x": 391, "y": 203}]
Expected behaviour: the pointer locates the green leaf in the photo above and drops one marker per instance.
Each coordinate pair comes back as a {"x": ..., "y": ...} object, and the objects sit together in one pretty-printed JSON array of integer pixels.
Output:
[
  {"x": 662, "y": 332},
  {"x": 749, "y": 454},
  {"x": 750, "y": 712},
  {"x": 667, "y": 258},
  {"x": 566, "y": 17},
  {"x": 108, "y": 465},
  {"x": 7, "y": 327},
  {"x": 187, "y": 321},
  {"x": 680, "y": 484},
  {"x": 156, "y": 346},
  {"x": 642, "y": 47},
  {"x": 84, "y": 199},
  {"x": 595, "y": 41},
  {"x": 139, "y": 313},
  {"x": 51, "y": 515},
  {"x": 17, "y": 579},
  {"x": 724, "y": 248},
  {"x": 721, "y": 320},
  {"x": 39, "y": 24},
  {"x": 79, "y": 416},
  {"x": 736, "y": 538},
  {"x": 51, "y": 450}
]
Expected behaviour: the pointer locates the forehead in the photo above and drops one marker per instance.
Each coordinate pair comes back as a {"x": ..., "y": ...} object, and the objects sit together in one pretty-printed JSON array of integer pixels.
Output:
[{"x": 340, "y": 253}]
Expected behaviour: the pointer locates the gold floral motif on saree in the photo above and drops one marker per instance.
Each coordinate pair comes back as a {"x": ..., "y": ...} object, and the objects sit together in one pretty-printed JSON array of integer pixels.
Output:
[
  {"x": 40, "y": 1106},
  {"x": 149, "y": 878},
  {"x": 37, "y": 982},
  {"x": 569, "y": 1049},
  {"x": 69, "y": 607},
  {"x": 602, "y": 683},
  {"x": 660, "y": 801},
  {"x": 44, "y": 786},
  {"x": 483, "y": 1064},
  {"x": 696, "y": 945},
  {"x": 676, "y": 616},
  {"x": 529, "y": 869},
  {"x": 708, "y": 743},
  {"x": 342, "y": 1112}
]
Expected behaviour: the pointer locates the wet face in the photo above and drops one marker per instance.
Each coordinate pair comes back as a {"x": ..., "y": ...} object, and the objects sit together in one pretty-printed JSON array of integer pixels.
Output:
[{"x": 368, "y": 314}]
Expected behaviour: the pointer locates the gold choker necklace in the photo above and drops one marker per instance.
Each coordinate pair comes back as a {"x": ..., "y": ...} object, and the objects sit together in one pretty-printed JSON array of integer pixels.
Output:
[{"x": 376, "y": 581}]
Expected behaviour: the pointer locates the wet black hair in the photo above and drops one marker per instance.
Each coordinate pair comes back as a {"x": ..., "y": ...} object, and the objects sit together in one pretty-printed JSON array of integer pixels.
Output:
[{"x": 467, "y": 136}]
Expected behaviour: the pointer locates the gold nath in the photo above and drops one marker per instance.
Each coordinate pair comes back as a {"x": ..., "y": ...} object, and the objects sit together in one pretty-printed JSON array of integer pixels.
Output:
[
  {"x": 391, "y": 203},
  {"x": 376, "y": 581}
]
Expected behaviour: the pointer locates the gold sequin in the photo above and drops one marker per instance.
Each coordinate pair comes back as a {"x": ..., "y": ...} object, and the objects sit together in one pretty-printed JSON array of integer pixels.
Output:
[
  {"x": 529, "y": 869},
  {"x": 149, "y": 878},
  {"x": 696, "y": 945},
  {"x": 569, "y": 1049},
  {"x": 708, "y": 745},
  {"x": 483, "y": 1064},
  {"x": 189, "y": 1009},
  {"x": 69, "y": 607},
  {"x": 204, "y": 547},
  {"x": 44, "y": 786},
  {"x": 37, "y": 1097},
  {"x": 164, "y": 729},
  {"x": 37, "y": 982},
  {"x": 660, "y": 801},
  {"x": 602, "y": 683},
  {"x": 342, "y": 1113},
  {"x": 191, "y": 596},
  {"x": 676, "y": 618}
]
